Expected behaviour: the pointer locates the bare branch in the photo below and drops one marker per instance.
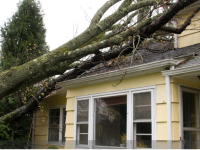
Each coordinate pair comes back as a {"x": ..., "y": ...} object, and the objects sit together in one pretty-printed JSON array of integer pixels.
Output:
[{"x": 97, "y": 17}]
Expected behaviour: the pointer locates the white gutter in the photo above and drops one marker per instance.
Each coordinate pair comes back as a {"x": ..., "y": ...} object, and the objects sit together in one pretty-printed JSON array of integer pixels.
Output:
[
  {"x": 182, "y": 71},
  {"x": 144, "y": 69},
  {"x": 169, "y": 120}
]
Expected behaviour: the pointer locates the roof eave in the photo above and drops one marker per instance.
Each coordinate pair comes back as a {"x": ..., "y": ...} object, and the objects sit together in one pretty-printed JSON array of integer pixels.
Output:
[{"x": 143, "y": 69}]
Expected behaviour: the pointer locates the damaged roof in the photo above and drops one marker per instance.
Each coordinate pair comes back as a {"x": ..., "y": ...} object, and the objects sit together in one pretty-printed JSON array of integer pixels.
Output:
[{"x": 186, "y": 56}]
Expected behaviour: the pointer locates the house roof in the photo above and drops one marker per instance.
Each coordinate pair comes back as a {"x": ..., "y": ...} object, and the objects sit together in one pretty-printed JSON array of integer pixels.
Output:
[{"x": 153, "y": 62}]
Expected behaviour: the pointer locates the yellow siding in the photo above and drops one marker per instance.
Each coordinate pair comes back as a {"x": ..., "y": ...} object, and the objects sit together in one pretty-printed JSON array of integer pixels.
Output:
[
  {"x": 161, "y": 131},
  {"x": 175, "y": 131},
  {"x": 69, "y": 131},
  {"x": 161, "y": 92},
  {"x": 41, "y": 121},
  {"x": 192, "y": 33},
  {"x": 161, "y": 145},
  {"x": 70, "y": 104},
  {"x": 161, "y": 115},
  {"x": 175, "y": 112},
  {"x": 69, "y": 143},
  {"x": 70, "y": 117}
]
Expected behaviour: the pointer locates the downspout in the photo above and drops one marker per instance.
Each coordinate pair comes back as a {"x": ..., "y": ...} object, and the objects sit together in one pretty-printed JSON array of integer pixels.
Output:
[
  {"x": 33, "y": 129},
  {"x": 169, "y": 123}
]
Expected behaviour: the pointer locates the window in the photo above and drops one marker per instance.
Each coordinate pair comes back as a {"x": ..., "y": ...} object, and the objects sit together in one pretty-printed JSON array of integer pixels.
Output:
[
  {"x": 142, "y": 120},
  {"x": 190, "y": 119},
  {"x": 82, "y": 122},
  {"x": 56, "y": 126},
  {"x": 123, "y": 119}
]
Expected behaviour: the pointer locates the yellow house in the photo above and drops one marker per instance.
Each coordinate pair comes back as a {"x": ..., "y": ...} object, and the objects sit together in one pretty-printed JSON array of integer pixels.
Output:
[{"x": 152, "y": 105}]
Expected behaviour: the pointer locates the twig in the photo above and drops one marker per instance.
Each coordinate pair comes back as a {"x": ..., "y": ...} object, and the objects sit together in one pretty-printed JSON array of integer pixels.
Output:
[{"x": 120, "y": 80}]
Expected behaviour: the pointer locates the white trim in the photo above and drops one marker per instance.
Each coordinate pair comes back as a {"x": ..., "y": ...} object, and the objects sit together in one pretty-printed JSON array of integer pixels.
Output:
[
  {"x": 182, "y": 71},
  {"x": 59, "y": 143},
  {"x": 169, "y": 120},
  {"x": 129, "y": 131},
  {"x": 110, "y": 76}
]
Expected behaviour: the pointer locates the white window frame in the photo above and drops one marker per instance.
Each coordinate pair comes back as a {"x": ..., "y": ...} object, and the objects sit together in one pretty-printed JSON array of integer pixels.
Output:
[
  {"x": 129, "y": 128},
  {"x": 190, "y": 89},
  {"x": 61, "y": 107}
]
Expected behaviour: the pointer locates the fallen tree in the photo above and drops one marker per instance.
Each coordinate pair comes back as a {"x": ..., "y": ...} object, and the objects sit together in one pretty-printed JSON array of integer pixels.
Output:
[{"x": 89, "y": 42}]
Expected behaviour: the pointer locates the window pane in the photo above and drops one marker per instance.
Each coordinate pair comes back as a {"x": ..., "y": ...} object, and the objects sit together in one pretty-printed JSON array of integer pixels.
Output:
[
  {"x": 142, "y": 98},
  {"x": 190, "y": 109},
  {"x": 54, "y": 112},
  {"x": 191, "y": 139},
  {"x": 110, "y": 121},
  {"x": 83, "y": 139},
  {"x": 142, "y": 106},
  {"x": 83, "y": 128},
  {"x": 142, "y": 112},
  {"x": 143, "y": 141},
  {"x": 143, "y": 128},
  {"x": 53, "y": 134},
  {"x": 54, "y": 120},
  {"x": 82, "y": 110}
]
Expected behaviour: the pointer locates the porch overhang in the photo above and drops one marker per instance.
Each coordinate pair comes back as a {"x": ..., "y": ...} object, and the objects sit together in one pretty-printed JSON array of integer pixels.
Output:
[{"x": 190, "y": 73}]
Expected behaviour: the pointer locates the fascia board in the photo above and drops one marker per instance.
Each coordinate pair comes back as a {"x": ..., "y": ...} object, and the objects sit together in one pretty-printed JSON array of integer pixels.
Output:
[
  {"x": 182, "y": 71},
  {"x": 116, "y": 75}
]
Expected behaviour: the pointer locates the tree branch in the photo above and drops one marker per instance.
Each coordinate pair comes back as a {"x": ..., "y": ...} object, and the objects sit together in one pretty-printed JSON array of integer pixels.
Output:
[{"x": 184, "y": 25}]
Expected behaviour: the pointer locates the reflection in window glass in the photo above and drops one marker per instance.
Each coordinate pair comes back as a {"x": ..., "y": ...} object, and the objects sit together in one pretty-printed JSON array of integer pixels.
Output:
[
  {"x": 110, "y": 121},
  {"x": 82, "y": 110}
]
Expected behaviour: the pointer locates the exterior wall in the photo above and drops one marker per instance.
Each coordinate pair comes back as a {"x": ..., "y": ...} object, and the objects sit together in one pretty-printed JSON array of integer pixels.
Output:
[
  {"x": 192, "y": 33},
  {"x": 135, "y": 82},
  {"x": 41, "y": 121}
]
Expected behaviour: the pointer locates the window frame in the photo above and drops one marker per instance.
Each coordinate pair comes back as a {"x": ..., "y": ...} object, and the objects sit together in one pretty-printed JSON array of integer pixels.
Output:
[
  {"x": 61, "y": 107},
  {"x": 129, "y": 128}
]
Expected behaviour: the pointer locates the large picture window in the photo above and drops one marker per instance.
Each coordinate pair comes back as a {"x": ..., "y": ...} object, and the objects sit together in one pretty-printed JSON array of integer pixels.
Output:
[
  {"x": 110, "y": 121},
  {"x": 123, "y": 119},
  {"x": 56, "y": 125}
]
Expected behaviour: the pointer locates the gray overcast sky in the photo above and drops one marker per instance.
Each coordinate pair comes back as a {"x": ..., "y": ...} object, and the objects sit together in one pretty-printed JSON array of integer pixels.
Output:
[{"x": 61, "y": 19}]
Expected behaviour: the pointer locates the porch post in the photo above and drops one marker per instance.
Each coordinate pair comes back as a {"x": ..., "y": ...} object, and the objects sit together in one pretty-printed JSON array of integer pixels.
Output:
[{"x": 169, "y": 123}]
